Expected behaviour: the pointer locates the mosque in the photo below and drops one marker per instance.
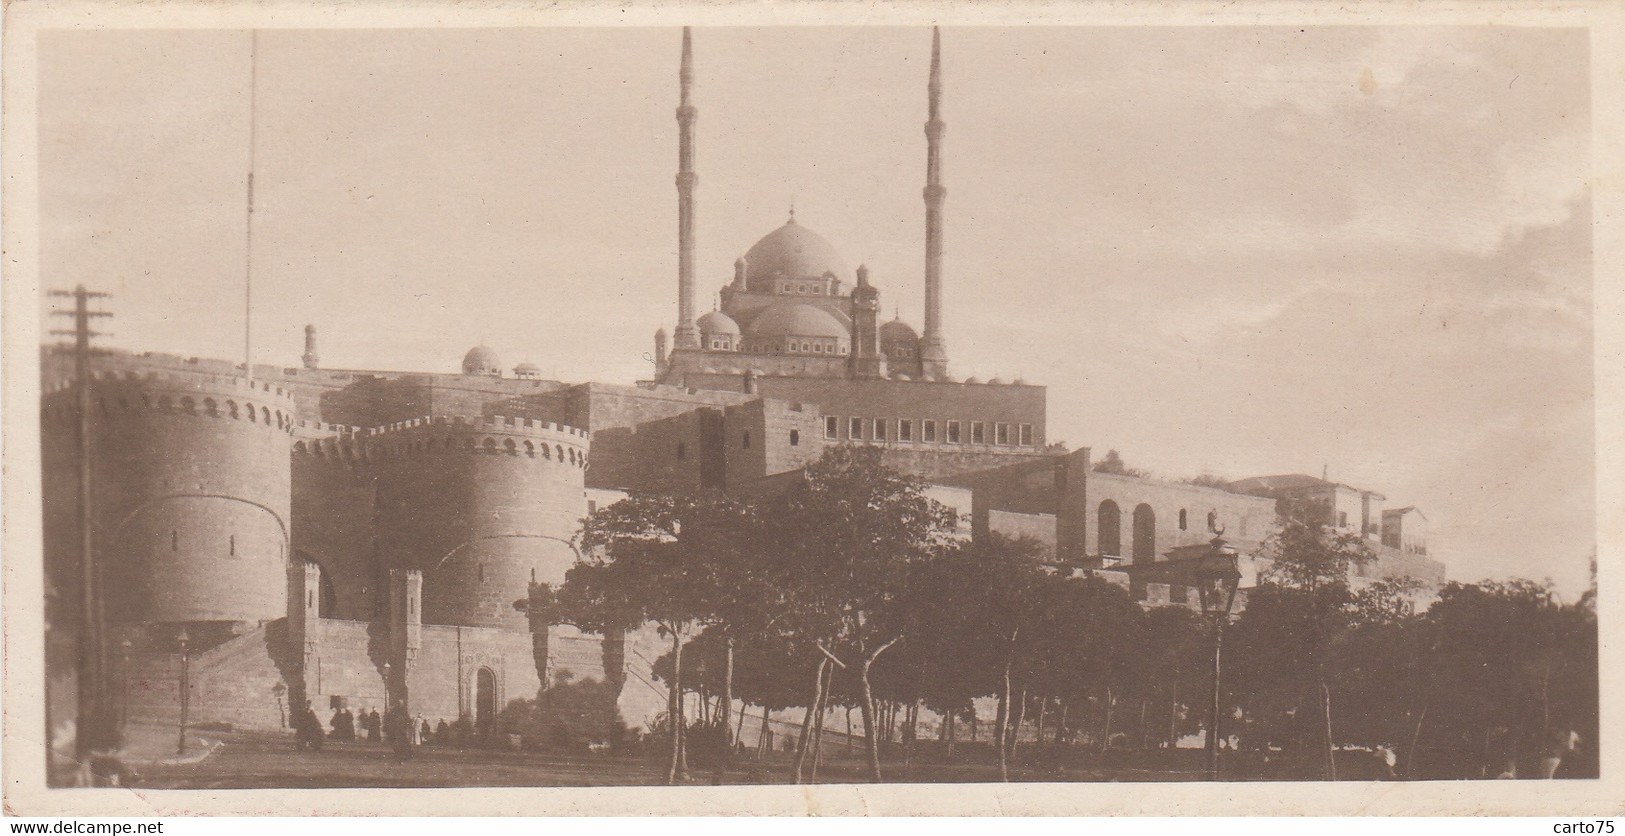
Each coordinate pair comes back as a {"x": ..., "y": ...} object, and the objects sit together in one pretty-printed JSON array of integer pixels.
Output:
[{"x": 355, "y": 537}]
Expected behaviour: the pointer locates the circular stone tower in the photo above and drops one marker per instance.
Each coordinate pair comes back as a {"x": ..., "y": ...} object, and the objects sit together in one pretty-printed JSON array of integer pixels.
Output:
[
  {"x": 191, "y": 493},
  {"x": 482, "y": 507}
]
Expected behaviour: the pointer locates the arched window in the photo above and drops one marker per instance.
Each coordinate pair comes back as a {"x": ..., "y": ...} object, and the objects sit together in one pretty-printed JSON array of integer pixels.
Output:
[
  {"x": 1110, "y": 533},
  {"x": 490, "y": 445},
  {"x": 252, "y": 415},
  {"x": 510, "y": 446},
  {"x": 547, "y": 452},
  {"x": 265, "y": 414},
  {"x": 231, "y": 408},
  {"x": 1182, "y": 519},
  {"x": 188, "y": 405},
  {"x": 1145, "y": 534},
  {"x": 795, "y": 438},
  {"x": 559, "y": 448},
  {"x": 530, "y": 449},
  {"x": 211, "y": 407},
  {"x": 744, "y": 443}
]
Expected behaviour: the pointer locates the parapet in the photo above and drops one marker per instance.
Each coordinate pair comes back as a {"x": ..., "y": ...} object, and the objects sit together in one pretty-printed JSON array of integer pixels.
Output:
[
  {"x": 494, "y": 435},
  {"x": 185, "y": 393}
]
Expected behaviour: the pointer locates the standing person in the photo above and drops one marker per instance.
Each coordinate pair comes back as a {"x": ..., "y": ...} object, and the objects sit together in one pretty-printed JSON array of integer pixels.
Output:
[
  {"x": 310, "y": 728},
  {"x": 1386, "y": 759},
  {"x": 398, "y": 728},
  {"x": 375, "y": 727},
  {"x": 1562, "y": 743},
  {"x": 424, "y": 735},
  {"x": 417, "y": 725}
]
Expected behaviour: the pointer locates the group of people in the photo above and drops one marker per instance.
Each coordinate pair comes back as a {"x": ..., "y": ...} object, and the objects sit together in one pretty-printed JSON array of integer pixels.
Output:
[{"x": 402, "y": 731}]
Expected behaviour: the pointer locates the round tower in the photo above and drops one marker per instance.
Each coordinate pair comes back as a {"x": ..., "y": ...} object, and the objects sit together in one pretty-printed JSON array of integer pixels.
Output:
[
  {"x": 191, "y": 481},
  {"x": 482, "y": 507}
]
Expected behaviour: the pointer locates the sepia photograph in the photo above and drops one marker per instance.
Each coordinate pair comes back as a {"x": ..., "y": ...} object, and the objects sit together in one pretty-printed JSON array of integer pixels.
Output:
[{"x": 728, "y": 404}]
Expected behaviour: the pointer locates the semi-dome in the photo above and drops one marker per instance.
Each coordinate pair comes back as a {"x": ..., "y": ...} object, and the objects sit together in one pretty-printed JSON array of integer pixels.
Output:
[
  {"x": 797, "y": 320},
  {"x": 718, "y": 323},
  {"x": 482, "y": 360},
  {"x": 791, "y": 252}
]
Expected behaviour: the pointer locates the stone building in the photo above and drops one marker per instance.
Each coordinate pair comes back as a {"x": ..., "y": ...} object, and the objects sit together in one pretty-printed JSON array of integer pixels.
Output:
[{"x": 353, "y": 536}]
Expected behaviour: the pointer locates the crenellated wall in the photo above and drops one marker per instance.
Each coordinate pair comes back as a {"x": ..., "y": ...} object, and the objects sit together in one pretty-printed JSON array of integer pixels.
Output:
[
  {"x": 191, "y": 493},
  {"x": 481, "y": 507}
]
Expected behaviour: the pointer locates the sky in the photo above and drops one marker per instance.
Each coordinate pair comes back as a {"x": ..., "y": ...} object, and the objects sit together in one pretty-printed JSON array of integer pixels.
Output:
[{"x": 1236, "y": 251}]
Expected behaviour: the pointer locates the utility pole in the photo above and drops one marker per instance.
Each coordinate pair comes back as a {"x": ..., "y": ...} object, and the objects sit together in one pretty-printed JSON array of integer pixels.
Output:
[{"x": 92, "y": 726}]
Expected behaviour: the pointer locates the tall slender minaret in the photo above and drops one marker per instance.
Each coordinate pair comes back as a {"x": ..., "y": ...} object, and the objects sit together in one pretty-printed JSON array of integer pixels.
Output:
[
  {"x": 933, "y": 350},
  {"x": 686, "y": 336}
]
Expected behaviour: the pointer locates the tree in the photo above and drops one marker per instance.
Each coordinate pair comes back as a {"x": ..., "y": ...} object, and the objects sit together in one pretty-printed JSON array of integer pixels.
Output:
[
  {"x": 661, "y": 559},
  {"x": 846, "y": 538},
  {"x": 1510, "y": 670},
  {"x": 1113, "y": 463}
]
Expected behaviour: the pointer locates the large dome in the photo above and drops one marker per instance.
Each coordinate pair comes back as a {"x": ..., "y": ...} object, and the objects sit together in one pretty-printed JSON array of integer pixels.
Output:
[
  {"x": 482, "y": 360},
  {"x": 791, "y": 252},
  {"x": 790, "y": 319}
]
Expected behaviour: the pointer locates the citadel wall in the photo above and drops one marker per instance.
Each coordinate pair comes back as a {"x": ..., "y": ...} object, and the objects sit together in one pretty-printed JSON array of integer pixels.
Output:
[
  {"x": 191, "y": 492},
  {"x": 482, "y": 508}
]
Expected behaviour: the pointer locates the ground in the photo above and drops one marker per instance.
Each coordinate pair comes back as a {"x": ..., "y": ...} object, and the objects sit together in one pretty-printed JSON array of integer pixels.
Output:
[{"x": 244, "y": 760}]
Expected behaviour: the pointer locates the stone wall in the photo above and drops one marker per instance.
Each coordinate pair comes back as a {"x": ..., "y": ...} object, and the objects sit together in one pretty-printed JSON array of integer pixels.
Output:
[{"x": 191, "y": 491}]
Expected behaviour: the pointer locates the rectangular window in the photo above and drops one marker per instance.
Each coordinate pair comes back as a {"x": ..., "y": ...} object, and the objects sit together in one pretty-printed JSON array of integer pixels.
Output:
[
  {"x": 953, "y": 432},
  {"x": 928, "y": 430},
  {"x": 745, "y": 442},
  {"x": 1001, "y": 433},
  {"x": 905, "y": 430},
  {"x": 832, "y": 427},
  {"x": 855, "y": 429},
  {"x": 880, "y": 429},
  {"x": 978, "y": 432},
  {"x": 1026, "y": 435}
]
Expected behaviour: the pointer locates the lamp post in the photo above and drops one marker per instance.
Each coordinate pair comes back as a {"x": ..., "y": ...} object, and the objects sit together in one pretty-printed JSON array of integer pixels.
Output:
[
  {"x": 387, "y": 704},
  {"x": 280, "y": 690},
  {"x": 1217, "y": 577},
  {"x": 124, "y": 692},
  {"x": 186, "y": 689}
]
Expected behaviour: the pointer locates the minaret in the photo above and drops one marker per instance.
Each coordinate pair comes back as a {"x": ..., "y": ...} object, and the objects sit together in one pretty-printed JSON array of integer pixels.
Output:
[
  {"x": 660, "y": 354},
  {"x": 311, "y": 358},
  {"x": 687, "y": 336},
  {"x": 933, "y": 350},
  {"x": 867, "y": 360}
]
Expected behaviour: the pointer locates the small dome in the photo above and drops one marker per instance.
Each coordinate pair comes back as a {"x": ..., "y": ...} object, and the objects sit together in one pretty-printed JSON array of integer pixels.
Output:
[
  {"x": 897, "y": 329},
  {"x": 900, "y": 376},
  {"x": 527, "y": 370},
  {"x": 482, "y": 360},
  {"x": 718, "y": 324},
  {"x": 791, "y": 252},
  {"x": 997, "y": 381},
  {"x": 973, "y": 379},
  {"x": 797, "y": 320}
]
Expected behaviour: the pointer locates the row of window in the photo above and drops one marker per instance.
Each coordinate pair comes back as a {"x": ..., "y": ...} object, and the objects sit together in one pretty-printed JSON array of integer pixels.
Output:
[{"x": 928, "y": 430}]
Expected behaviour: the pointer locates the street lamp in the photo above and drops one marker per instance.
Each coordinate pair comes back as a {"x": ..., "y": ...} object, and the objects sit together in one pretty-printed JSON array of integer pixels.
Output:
[
  {"x": 1217, "y": 577},
  {"x": 124, "y": 696},
  {"x": 186, "y": 689},
  {"x": 387, "y": 704}
]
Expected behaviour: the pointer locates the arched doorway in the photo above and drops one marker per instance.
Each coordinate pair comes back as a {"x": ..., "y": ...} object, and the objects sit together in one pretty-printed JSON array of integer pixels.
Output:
[
  {"x": 485, "y": 701},
  {"x": 1145, "y": 534},
  {"x": 1109, "y": 532}
]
